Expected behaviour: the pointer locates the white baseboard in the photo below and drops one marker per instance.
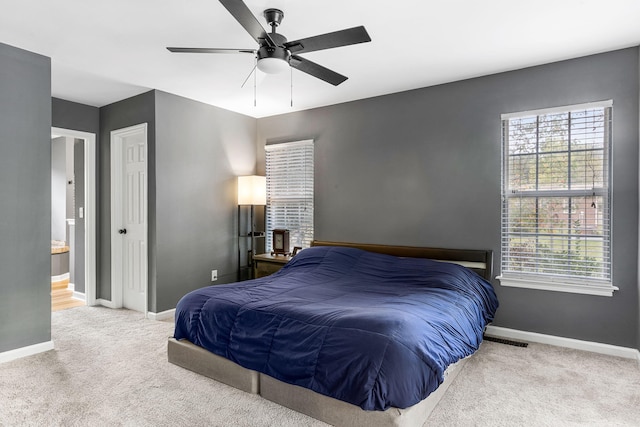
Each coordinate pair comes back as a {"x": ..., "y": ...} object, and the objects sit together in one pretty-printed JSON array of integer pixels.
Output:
[
  {"x": 29, "y": 350},
  {"x": 163, "y": 315},
  {"x": 105, "y": 303},
  {"x": 60, "y": 277},
  {"x": 595, "y": 347},
  {"x": 79, "y": 295}
]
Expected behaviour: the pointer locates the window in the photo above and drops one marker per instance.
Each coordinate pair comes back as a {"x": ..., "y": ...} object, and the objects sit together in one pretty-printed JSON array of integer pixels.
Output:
[
  {"x": 290, "y": 191},
  {"x": 556, "y": 199}
]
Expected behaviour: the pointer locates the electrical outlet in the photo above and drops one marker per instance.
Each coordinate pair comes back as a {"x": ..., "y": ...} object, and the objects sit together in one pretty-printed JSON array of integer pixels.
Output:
[{"x": 214, "y": 275}]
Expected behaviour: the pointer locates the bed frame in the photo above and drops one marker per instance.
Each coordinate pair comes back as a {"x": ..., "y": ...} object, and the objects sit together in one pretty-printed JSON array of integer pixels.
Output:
[
  {"x": 480, "y": 261},
  {"x": 324, "y": 408}
]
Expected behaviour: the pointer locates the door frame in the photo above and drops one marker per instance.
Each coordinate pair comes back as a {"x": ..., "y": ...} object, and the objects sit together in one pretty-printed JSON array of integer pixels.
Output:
[
  {"x": 117, "y": 243},
  {"x": 90, "y": 251}
]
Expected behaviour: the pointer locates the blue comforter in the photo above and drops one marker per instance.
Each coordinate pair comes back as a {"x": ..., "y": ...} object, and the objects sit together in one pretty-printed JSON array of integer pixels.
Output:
[{"x": 373, "y": 330}]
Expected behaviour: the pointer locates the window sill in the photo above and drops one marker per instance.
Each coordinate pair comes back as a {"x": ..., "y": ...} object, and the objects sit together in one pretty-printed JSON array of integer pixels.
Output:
[{"x": 599, "y": 289}]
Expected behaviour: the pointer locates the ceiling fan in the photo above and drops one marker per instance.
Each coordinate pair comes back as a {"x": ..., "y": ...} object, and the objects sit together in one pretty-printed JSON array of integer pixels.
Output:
[{"x": 275, "y": 54}]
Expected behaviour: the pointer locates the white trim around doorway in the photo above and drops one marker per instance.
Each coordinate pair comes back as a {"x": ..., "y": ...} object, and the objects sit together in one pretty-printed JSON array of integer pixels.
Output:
[{"x": 90, "y": 251}]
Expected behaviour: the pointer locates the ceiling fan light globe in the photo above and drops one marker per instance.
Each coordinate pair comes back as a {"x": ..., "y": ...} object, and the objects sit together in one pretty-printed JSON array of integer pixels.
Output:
[{"x": 273, "y": 65}]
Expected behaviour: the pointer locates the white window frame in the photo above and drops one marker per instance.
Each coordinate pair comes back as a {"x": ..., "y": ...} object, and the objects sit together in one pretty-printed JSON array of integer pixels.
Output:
[
  {"x": 553, "y": 282},
  {"x": 290, "y": 177}
]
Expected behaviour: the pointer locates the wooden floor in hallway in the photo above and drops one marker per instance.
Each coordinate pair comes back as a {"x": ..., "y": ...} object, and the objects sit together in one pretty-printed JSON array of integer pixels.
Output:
[{"x": 62, "y": 297}]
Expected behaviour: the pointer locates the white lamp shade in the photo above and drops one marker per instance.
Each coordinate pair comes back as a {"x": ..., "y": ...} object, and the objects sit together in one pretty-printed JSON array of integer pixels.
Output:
[{"x": 252, "y": 190}]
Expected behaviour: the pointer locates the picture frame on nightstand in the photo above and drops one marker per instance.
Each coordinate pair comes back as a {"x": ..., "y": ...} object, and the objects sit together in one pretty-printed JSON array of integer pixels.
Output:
[{"x": 280, "y": 241}]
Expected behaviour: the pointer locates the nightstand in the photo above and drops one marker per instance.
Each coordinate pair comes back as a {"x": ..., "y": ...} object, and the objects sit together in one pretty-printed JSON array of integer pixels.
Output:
[{"x": 266, "y": 264}]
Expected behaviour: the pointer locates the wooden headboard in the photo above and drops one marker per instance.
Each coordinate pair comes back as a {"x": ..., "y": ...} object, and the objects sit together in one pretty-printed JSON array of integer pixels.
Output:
[{"x": 480, "y": 261}]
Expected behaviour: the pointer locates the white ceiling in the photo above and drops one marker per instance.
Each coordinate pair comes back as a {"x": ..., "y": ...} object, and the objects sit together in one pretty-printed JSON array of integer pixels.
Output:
[{"x": 104, "y": 51}]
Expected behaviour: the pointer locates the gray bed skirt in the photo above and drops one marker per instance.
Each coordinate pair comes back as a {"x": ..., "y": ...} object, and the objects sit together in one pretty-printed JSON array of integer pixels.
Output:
[{"x": 324, "y": 408}]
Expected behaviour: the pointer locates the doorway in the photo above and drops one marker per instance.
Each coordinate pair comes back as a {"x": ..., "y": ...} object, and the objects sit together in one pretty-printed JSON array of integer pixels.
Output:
[
  {"x": 81, "y": 257},
  {"x": 129, "y": 201}
]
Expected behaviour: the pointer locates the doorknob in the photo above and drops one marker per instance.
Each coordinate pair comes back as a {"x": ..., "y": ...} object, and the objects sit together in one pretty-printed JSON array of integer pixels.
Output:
[{"x": 122, "y": 231}]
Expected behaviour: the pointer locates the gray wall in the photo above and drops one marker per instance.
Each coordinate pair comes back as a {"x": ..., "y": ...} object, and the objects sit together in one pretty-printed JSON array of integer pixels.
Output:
[
  {"x": 72, "y": 115},
  {"x": 69, "y": 188},
  {"x": 200, "y": 150},
  {"x": 59, "y": 189},
  {"x": 423, "y": 168},
  {"x": 25, "y": 191},
  {"x": 62, "y": 193}
]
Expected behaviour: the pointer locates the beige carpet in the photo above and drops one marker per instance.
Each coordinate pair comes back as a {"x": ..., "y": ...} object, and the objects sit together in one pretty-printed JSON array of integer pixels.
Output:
[
  {"x": 541, "y": 385},
  {"x": 109, "y": 368}
]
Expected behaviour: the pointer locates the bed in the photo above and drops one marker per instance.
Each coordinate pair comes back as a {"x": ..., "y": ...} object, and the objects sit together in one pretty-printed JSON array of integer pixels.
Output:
[{"x": 347, "y": 333}]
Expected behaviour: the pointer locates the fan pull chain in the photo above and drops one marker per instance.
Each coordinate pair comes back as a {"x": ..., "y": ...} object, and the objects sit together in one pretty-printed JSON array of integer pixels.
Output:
[
  {"x": 248, "y": 76},
  {"x": 291, "y": 78},
  {"x": 255, "y": 83}
]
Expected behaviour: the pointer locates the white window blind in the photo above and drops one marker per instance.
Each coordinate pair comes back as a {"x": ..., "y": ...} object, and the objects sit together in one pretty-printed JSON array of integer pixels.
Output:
[
  {"x": 556, "y": 199},
  {"x": 290, "y": 191}
]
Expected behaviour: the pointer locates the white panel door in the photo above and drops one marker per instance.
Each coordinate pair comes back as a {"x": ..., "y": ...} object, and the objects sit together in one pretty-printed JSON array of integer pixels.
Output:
[
  {"x": 134, "y": 261},
  {"x": 129, "y": 251}
]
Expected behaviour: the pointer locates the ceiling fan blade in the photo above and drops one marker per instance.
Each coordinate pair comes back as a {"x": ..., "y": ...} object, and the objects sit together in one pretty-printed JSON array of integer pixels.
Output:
[
  {"x": 316, "y": 70},
  {"x": 207, "y": 50},
  {"x": 346, "y": 37},
  {"x": 243, "y": 15}
]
